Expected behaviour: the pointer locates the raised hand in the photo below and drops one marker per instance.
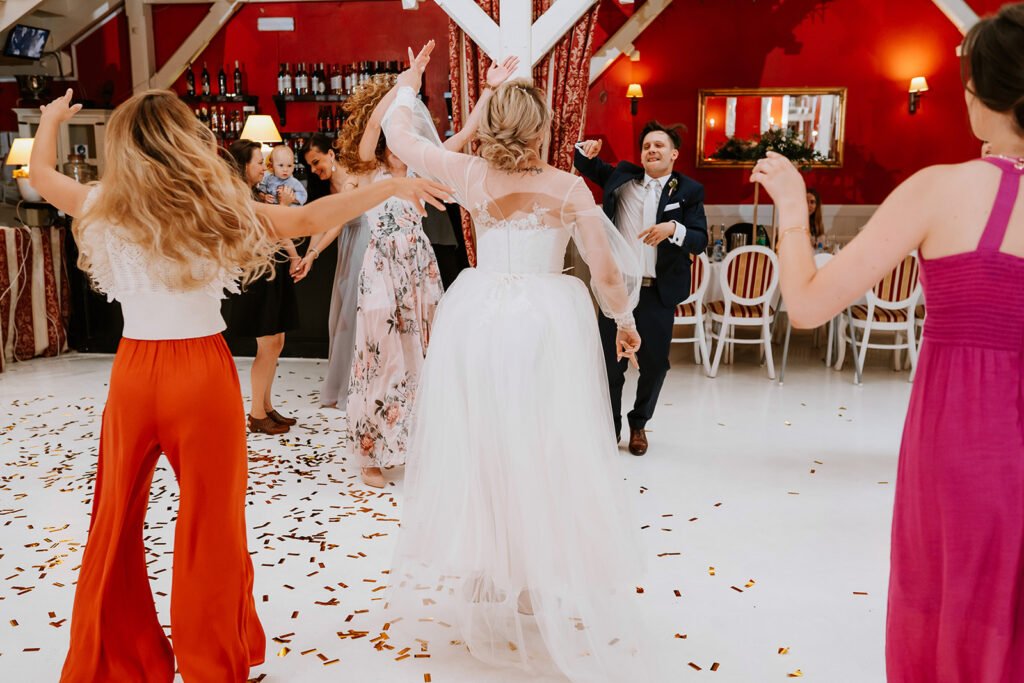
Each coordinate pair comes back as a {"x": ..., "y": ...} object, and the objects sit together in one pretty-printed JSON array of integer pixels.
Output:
[
  {"x": 499, "y": 73},
  {"x": 419, "y": 190},
  {"x": 781, "y": 178},
  {"x": 589, "y": 148},
  {"x": 61, "y": 109},
  {"x": 413, "y": 76}
]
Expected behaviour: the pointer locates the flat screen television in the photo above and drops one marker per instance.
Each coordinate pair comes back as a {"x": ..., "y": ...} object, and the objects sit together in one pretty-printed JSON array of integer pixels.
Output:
[{"x": 26, "y": 42}]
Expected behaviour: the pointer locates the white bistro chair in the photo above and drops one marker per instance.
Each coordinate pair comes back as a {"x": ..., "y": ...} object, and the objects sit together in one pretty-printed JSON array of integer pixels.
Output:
[
  {"x": 692, "y": 310},
  {"x": 749, "y": 278}
]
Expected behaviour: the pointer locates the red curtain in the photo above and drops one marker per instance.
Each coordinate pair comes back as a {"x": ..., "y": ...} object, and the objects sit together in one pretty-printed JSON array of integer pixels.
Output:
[{"x": 570, "y": 59}]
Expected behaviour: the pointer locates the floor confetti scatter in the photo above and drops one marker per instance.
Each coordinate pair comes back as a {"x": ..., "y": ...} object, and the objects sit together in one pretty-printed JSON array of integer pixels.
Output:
[{"x": 765, "y": 510}]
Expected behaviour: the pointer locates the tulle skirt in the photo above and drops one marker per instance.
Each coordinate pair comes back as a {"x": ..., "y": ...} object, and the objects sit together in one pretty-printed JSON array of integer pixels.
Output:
[{"x": 517, "y": 540}]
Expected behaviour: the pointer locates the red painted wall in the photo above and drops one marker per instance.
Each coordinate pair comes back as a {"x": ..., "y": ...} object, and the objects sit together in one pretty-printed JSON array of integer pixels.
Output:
[
  {"x": 341, "y": 32},
  {"x": 869, "y": 46},
  {"x": 104, "y": 72}
]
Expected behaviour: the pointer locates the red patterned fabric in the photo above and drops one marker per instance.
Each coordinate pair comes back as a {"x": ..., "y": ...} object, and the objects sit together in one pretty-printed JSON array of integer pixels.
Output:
[
  {"x": 900, "y": 283},
  {"x": 881, "y": 315},
  {"x": 37, "y": 258},
  {"x": 717, "y": 308},
  {"x": 689, "y": 310},
  {"x": 696, "y": 275},
  {"x": 564, "y": 73},
  {"x": 750, "y": 274},
  {"x": 24, "y": 332}
]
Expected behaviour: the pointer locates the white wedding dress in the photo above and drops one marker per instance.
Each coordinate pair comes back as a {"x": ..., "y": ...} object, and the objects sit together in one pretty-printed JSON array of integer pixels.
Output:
[{"x": 517, "y": 540}]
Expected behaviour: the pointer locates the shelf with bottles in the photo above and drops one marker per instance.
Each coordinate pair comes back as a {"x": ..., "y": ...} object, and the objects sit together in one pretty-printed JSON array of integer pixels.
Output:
[
  {"x": 225, "y": 91},
  {"x": 227, "y": 126},
  {"x": 324, "y": 84}
]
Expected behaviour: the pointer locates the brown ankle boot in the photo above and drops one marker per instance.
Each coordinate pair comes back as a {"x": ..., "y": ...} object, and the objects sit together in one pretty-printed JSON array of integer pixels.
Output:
[
  {"x": 281, "y": 419},
  {"x": 266, "y": 425}
]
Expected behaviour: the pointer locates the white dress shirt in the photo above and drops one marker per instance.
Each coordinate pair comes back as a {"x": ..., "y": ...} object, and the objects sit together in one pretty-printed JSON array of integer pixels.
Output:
[{"x": 638, "y": 205}]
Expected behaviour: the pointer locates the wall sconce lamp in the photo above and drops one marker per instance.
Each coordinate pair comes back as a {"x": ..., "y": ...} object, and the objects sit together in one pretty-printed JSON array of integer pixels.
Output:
[
  {"x": 918, "y": 85},
  {"x": 635, "y": 93},
  {"x": 711, "y": 123}
]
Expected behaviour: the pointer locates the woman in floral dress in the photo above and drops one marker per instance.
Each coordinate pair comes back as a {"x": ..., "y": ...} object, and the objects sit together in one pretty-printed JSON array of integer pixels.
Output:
[{"x": 399, "y": 285}]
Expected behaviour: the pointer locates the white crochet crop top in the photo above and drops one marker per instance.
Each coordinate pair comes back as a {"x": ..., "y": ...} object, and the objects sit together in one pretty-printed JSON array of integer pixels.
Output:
[{"x": 151, "y": 309}]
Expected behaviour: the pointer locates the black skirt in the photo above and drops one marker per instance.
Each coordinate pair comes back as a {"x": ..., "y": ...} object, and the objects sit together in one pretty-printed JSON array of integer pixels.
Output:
[{"x": 265, "y": 307}]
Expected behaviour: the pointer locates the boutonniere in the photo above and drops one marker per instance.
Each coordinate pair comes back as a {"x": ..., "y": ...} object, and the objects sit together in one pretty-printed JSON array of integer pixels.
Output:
[{"x": 672, "y": 185}]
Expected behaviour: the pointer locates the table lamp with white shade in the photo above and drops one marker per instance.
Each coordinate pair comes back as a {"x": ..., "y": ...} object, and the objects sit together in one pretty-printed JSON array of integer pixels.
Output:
[
  {"x": 260, "y": 128},
  {"x": 20, "y": 155}
]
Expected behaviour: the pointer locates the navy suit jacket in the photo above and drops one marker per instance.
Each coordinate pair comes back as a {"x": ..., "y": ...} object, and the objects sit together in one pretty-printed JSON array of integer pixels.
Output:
[{"x": 687, "y": 201}]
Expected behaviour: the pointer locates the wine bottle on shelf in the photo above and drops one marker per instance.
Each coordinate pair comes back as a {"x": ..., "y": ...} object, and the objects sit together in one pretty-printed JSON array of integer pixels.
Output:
[
  {"x": 222, "y": 82},
  {"x": 302, "y": 80},
  {"x": 280, "y": 79},
  {"x": 205, "y": 80},
  {"x": 213, "y": 121},
  {"x": 320, "y": 120},
  {"x": 238, "y": 79},
  {"x": 339, "y": 118},
  {"x": 336, "y": 80},
  {"x": 314, "y": 80},
  {"x": 190, "y": 81},
  {"x": 321, "y": 86},
  {"x": 223, "y": 121},
  {"x": 204, "y": 117}
]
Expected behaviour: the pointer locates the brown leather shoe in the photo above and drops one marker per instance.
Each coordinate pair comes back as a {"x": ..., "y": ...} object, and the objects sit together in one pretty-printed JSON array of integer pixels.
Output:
[
  {"x": 281, "y": 419},
  {"x": 637, "y": 441},
  {"x": 266, "y": 425}
]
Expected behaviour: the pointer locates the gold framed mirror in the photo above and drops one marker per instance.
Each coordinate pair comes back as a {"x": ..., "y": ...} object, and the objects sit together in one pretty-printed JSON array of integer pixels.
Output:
[{"x": 736, "y": 125}]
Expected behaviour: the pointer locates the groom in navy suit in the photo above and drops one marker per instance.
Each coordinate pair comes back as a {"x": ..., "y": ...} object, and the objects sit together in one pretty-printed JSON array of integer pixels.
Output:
[{"x": 661, "y": 213}]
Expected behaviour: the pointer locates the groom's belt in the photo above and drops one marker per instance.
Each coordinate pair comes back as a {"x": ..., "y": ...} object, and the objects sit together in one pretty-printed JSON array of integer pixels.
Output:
[{"x": 648, "y": 282}]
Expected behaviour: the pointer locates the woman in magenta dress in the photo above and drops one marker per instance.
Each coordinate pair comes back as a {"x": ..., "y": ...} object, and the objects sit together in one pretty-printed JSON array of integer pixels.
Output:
[{"x": 956, "y": 591}]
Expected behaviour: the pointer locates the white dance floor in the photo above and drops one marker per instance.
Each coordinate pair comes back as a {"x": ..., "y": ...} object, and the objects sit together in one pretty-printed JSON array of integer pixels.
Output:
[{"x": 765, "y": 509}]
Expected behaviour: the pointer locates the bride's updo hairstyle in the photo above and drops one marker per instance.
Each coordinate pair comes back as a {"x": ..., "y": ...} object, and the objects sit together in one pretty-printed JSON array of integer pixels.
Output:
[
  {"x": 992, "y": 62},
  {"x": 517, "y": 116}
]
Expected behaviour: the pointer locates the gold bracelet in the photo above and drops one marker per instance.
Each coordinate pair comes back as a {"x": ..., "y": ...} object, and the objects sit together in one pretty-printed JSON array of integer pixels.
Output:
[{"x": 799, "y": 228}]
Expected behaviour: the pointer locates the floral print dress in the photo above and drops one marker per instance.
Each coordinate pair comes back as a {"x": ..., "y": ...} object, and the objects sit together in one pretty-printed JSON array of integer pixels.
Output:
[{"x": 399, "y": 289}]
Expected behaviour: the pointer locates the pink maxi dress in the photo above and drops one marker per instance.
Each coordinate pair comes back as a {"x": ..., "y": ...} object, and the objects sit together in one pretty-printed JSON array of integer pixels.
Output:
[{"x": 956, "y": 590}]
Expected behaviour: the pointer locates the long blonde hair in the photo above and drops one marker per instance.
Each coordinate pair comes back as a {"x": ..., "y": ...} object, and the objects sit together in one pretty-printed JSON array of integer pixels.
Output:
[
  {"x": 169, "y": 193},
  {"x": 359, "y": 106},
  {"x": 517, "y": 115}
]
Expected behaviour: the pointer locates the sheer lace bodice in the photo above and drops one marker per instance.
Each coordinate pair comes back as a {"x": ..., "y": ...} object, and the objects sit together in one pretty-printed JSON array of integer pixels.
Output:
[{"x": 523, "y": 222}]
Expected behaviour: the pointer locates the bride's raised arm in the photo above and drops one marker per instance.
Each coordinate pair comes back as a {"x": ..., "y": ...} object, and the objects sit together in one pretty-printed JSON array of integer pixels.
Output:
[
  {"x": 412, "y": 136},
  {"x": 615, "y": 272}
]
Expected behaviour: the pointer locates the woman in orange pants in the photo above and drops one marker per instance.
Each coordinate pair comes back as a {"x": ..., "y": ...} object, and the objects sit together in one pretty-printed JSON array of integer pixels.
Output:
[{"x": 170, "y": 228}]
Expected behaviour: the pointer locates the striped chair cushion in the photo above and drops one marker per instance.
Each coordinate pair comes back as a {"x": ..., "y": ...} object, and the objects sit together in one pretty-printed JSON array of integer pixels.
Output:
[
  {"x": 696, "y": 275},
  {"x": 738, "y": 310},
  {"x": 900, "y": 283},
  {"x": 688, "y": 310},
  {"x": 750, "y": 274},
  {"x": 882, "y": 315}
]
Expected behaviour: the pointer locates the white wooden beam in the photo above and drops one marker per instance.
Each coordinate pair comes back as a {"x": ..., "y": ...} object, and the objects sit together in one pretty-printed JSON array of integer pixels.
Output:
[
  {"x": 140, "y": 43},
  {"x": 219, "y": 14},
  {"x": 476, "y": 24},
  {"x": 621, "y": 43},
  {"x": 13, "y": 10},
  {"x": 549, "y": 28},
  {"x": 80, "y": 18},
  {"x": 959, "y": 12}
]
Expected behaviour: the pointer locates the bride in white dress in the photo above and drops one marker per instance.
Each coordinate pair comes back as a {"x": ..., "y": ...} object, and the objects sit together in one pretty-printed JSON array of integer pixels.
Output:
[{"x": 517, "y": 540}]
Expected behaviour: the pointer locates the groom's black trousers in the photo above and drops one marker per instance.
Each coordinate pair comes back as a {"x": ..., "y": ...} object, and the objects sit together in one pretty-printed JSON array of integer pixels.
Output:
[{"x": 654, "y": 323}]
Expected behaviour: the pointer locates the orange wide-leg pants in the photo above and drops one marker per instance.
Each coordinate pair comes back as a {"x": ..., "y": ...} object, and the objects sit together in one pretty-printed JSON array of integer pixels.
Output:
[{"x": 182, "y": 398}]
